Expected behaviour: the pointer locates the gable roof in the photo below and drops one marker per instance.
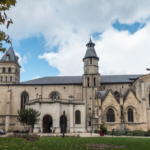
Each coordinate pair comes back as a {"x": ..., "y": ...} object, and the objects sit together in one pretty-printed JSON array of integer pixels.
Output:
[
  {"x": 12, "y": 56},
  {"x": 106, "y": 93},
  {"x": 60, "y": 80},
  {"x": 127, "y": 93}
]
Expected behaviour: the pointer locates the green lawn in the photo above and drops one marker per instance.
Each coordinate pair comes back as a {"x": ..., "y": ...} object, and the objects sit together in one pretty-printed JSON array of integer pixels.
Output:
[{"x": 72, "y": 143}]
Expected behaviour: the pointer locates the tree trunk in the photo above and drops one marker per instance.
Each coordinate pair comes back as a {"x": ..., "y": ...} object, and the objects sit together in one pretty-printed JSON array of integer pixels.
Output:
[{"x": 32, "y": 127}]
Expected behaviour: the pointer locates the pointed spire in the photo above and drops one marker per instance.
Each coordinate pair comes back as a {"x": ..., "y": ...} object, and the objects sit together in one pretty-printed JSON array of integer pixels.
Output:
[
  {"x": 11, "y": 55},
  {"x": 90, "y": 44},
  {"x": 90, "y": 52},
  {"x": 90, "y": 40}
]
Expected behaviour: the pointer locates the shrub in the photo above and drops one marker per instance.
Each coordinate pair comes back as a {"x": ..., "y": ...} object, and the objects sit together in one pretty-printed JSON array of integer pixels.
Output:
[
  {"x": 27, "y": 137},
  {"x": 137, "y": 132},
  {"x": 103, "y": 128},
  {"x": 147, "y": 133}
]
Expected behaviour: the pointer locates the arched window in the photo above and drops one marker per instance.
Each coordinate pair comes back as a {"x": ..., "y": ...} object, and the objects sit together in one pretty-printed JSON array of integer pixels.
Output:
[
  {"x": 90, "y": 60},
  {"x": 130, "y": 115},
  {"x": 54, "y": 96},
  {"x": 149, "y": 99},
  {"x": 110, "y": 115},
  {"x": 9, "y": 69},
  {"x": 77, "y": 117},
  {"x": 1, "y": 78},
  {"x": 10, "y": 78},
  {"x": 6, "y": 78},
  {"x": 4, "y": 69},
  {"x": 24, "y": 99},
  {"x": 88, "y": 82},
  {"x": 94, "y": 81}
]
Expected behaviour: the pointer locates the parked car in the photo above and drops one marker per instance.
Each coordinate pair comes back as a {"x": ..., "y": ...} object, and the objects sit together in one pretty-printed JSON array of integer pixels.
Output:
[{"x": 2, "y": 132}]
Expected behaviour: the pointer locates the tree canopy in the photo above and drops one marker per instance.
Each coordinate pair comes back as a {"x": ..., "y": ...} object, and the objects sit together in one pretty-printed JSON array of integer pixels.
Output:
[
  {"x": 5, "y": 5},
  {"x": 28, "y": 117}
]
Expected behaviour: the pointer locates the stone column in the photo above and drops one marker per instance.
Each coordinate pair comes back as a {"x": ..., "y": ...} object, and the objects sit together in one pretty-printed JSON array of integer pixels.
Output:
[
  {"x": 57, "y": 118},
  {"x": 8, "y": 102},
  {"x": 143, "y": 102},
  {"x": 37, "y": 126},
  {"x": 71, "y": 118}
]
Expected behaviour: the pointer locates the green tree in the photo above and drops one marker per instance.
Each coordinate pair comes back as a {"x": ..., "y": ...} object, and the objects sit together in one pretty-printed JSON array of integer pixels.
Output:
[
  {"x": 5, "y": 5},
  {"x": 23, "y": 118},
  {"x": 28, "y": 117}
]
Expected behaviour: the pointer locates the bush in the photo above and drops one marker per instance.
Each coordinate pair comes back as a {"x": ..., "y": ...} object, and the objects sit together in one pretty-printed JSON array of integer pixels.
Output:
[
  {"x": 103, "y": 128},
  {"x": 147, "y": 133},
  {"x": 27, "y": 137},
  {"x": 137, "y": 132}
]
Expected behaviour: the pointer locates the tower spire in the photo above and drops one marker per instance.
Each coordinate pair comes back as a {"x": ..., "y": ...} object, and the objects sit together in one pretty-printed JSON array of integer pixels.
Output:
[{"x": 90, "y": 52}]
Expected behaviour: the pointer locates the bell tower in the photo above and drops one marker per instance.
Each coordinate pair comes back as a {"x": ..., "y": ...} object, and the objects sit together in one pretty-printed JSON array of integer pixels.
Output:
[
  {"x": 9, "y": 68},
  {"x": 91, "y": 82}
]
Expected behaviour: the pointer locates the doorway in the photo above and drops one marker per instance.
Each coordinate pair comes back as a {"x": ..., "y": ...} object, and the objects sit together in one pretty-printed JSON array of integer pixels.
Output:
[
  {"x": 61, "y": 124},
  {"x": 47, "y": 124}
]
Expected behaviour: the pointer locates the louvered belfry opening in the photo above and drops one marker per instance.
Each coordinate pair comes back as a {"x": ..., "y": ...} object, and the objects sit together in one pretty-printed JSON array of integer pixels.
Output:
[
  {"x": 78, "y": 117},
  {"x": 110, "y": 115}
]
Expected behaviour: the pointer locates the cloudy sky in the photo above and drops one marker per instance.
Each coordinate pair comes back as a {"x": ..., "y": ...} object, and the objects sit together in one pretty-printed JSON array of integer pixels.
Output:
[{"x": 49, "y": 36}]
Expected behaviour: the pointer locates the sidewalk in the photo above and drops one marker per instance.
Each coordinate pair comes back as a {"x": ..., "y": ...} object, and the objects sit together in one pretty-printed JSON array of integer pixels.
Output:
[{"x": 81, "y": 135}]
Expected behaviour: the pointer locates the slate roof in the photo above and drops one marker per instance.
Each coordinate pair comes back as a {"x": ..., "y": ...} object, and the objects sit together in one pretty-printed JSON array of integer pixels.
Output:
[
  {"x": 118, "y": 78},
  {"x": 60, "y": 80},
  {"x": 12, "y": 56},
  {"x": 90, "y": 52},
  {"x": 99, "y": 94}
]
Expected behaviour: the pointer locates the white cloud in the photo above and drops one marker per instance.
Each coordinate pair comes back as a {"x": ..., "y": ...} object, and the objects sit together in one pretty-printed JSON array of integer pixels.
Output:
[
  {"x": 58, "y": 20},
  {"x": 23, "y": 60},
  {"x": 36, "y": 77},
  {"x": 119, "y": 52},
  {"x": 70, "y": 23}
]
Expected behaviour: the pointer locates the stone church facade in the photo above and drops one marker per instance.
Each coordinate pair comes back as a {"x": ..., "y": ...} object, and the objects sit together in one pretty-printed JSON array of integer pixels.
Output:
[{"x": 121, "y": 102}]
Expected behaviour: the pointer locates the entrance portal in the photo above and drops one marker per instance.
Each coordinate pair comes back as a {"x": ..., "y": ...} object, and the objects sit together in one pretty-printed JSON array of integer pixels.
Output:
[
  {"x": 61, "y": 123},
  {"x": 47, "y": 124}
]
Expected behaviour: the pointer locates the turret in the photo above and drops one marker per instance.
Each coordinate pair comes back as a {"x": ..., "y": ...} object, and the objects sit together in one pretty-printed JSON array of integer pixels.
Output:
[
  {"x": 9, "y": 68},
  {"x": 91, "y": 68}
]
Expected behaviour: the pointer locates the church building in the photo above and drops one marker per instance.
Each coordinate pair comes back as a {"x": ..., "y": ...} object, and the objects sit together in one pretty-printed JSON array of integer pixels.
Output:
[{"x": 120, "y": 102}]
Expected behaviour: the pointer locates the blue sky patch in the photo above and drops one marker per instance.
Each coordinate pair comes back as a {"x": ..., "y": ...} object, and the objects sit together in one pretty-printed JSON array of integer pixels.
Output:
[{"x": 131, "y": 28}]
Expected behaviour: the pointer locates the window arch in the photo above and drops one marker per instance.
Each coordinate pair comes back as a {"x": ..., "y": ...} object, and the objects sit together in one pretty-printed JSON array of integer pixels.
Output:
[
  {"x": 110, "y": 115},
  {"x": 24, "y": 99},
  {"x": 130, "y": 115},
  {"x": 54, "y": 96},
  {"x": 90, "y": 60},
  {"x": 88, "y": 81},
  {"x": 94, "y": 81},
  {"x": 149, "y": 99},
  {"x": 77, "y": 117},
  {"x": 4, "y": 69},
  {"x": 9, "y": 70}
]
